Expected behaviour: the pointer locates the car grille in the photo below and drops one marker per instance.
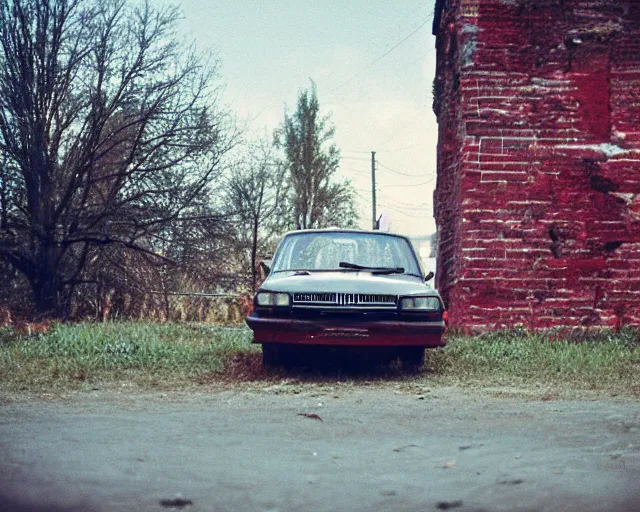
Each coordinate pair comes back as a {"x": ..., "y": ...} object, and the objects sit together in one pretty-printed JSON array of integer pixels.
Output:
[{"x": 345, "y": 300}]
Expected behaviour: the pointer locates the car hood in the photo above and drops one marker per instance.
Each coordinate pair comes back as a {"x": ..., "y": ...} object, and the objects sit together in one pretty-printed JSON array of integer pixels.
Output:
[{"x": 347, "y": 282}]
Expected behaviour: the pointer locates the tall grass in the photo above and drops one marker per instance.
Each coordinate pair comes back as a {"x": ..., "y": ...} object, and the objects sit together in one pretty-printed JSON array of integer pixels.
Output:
[
  {"x": 94, "y": 351},
  {"x": 603, "y": 360},
  {"x": 176, "y": 355}
]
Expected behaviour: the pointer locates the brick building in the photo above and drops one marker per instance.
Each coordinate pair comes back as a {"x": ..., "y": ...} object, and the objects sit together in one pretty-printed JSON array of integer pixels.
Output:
[{"x": 538, "y": 192}]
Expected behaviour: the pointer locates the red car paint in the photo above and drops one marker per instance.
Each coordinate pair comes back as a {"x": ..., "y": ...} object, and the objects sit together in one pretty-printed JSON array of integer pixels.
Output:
[{"x": 362, "y": 334}]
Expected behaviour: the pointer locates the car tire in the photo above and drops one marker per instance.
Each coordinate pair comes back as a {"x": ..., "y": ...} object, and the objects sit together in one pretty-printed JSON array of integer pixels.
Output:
[
  {"x": 271, "y": 355},
  {"x": 412, "y": 358}
]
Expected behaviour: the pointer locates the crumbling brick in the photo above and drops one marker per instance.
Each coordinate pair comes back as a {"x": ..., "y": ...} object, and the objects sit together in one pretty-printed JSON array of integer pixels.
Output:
[{"x": 538, "y": 188}]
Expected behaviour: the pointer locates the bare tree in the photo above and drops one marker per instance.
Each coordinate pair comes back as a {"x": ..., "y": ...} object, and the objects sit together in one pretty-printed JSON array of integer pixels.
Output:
[
  {"x": 110, "y": 130},
  {"x": 256, "y": 193}
]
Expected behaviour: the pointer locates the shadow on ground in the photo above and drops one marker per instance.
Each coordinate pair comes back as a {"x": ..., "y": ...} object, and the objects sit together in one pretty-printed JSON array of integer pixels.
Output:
[{"x": 314, "y": 364}]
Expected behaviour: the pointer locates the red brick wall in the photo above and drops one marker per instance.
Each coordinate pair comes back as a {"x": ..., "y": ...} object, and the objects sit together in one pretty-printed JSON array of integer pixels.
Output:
[{"x": 538, "y": 191}]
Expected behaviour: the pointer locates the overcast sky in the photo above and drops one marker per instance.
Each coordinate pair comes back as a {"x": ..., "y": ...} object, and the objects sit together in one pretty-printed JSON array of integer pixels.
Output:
[{"x": 373, "y": 63}]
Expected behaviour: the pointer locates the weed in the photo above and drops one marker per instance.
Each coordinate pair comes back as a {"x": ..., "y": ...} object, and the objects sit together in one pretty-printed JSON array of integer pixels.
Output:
[
  {"x": 597, "y": 361},
  {"x": 90, "y": 352},
  {"x": 177, "y": 355}
]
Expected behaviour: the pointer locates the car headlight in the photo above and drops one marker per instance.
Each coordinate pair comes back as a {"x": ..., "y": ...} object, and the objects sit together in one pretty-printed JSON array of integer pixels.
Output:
[
  {"x": 269, "y": 299},
  {"x": 420, "y": 304}
]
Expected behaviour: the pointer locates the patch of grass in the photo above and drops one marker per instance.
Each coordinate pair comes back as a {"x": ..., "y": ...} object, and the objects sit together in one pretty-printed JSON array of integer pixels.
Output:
[
  {"x": 606, "y": 361},
  {"x": 170, "y": 356},
  {"x": 144, "y": 352}
]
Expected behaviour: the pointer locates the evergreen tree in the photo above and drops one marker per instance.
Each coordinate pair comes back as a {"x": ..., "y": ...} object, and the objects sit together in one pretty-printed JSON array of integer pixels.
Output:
[{"x": 312, "y": 159}]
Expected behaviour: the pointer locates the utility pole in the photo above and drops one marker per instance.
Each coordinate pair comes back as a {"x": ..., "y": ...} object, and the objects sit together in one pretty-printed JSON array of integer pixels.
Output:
[{"x": 373, "y": 188}]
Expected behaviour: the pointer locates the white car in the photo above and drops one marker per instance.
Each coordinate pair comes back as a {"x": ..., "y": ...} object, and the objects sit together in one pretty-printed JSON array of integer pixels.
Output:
[{"x": 347, "y": 288}]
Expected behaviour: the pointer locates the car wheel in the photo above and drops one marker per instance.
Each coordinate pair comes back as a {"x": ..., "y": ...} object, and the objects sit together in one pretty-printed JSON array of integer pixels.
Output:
[
  {"x": 412, "y": 358},
  {"x": 271, "y": 355}
]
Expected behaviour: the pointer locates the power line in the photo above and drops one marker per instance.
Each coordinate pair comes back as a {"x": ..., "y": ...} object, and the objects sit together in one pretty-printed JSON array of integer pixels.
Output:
[
  {"x": 400, "y": 173},
  {"x": 353, "y": 158},
  {"x": 357, "y": 171},
  {"x": 402, "y": 204},
  {"x": 408, "y": 209},
  {"x": 397, "y": 210},
  {"x": 407, "y": 206},
  {"x": 415, "y": 211},
  {"x": 394, "y": 69},
  {"x": 408, "y": 213},
  {"x": 375, "y": 61},
  {"x": 411, "y": 185},
  {"x": 405, "y": 213},
  {"x": 412, "y": 15}
]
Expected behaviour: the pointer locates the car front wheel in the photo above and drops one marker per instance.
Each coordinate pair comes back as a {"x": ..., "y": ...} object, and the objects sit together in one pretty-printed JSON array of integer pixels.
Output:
[
  {"x": 277, "y": 355},
  {"x": 412, "y": 358},
  {"x": 271, "y": 355}
]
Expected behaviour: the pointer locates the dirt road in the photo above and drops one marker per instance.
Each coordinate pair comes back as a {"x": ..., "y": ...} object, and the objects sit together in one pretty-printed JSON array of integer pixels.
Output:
[{"x": 360, "y": 448}]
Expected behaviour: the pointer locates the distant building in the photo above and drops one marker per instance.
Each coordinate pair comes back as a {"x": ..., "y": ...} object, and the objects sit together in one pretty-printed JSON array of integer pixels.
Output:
[{"x": 538, "y": 192}]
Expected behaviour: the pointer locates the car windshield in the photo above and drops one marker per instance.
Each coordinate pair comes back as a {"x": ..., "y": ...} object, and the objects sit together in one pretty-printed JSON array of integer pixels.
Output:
[{"x": 313, "y": 251}]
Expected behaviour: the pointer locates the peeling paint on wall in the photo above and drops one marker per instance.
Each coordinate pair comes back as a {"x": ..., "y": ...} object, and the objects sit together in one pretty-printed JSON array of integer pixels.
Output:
[{"x": 538, "y": 191}]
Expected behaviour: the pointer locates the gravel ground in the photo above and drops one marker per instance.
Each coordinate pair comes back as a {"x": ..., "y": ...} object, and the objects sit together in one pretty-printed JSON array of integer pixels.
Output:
[{"x": 320, "y": 448}]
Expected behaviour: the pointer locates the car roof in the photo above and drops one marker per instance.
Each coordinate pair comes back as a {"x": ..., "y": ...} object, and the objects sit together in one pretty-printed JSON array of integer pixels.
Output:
[{"x": 344, "y": 230}]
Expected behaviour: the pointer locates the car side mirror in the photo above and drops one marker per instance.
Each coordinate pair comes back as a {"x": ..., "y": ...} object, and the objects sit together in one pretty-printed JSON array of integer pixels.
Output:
[
  {"x": 429, "y": 277},
  {"x": 265, "y": 265}
]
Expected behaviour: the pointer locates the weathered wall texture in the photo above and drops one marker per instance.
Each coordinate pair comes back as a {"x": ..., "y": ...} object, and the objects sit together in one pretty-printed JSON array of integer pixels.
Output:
[{"x": 538, "y": 193}]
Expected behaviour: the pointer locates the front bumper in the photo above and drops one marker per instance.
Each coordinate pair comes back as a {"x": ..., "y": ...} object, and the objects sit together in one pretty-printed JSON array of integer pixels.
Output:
[{"x": 369, "y": 333}]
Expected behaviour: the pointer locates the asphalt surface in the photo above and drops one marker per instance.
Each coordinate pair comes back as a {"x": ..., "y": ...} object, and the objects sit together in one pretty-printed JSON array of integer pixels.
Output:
[{"x": 360, "y": 448}]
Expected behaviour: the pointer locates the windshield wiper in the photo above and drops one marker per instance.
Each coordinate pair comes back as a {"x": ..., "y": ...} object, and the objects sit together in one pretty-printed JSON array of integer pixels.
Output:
[{"x": 373, "y": 270}]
